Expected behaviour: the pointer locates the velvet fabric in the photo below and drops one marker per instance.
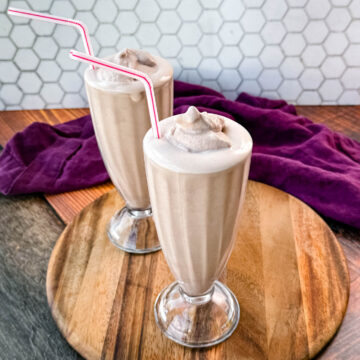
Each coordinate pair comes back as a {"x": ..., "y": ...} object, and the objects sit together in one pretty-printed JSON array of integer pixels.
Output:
[{"x": 307, "y": 160}]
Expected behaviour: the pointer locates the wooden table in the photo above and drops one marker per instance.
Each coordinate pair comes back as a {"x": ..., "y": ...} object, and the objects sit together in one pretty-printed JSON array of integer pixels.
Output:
[{"x": 30, "y": 226}]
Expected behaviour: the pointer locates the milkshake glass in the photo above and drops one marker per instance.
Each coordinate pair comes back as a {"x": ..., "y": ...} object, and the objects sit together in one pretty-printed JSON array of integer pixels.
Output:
[
  {"x": 197, "y": 175},
  {"x": 120, "y": 116}
]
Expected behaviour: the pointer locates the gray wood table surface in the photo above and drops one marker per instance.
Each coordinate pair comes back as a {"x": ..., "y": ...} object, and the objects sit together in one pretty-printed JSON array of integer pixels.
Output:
[{"x": 29, "y": 229}]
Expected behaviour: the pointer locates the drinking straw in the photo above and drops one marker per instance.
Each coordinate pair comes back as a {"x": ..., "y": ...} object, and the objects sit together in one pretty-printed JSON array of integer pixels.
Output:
[
  {"x": 57, "y": 20},
  {"x": 133, "y": 73}
]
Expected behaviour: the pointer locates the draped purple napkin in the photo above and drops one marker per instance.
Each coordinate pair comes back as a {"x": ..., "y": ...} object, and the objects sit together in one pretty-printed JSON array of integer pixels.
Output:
[{"x": 307, "y": 160}]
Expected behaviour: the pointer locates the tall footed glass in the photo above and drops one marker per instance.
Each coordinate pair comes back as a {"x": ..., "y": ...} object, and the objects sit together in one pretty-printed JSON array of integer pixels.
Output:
[
  {"x": 196, "y": 199},
  {"x": 121, "y": 119}
]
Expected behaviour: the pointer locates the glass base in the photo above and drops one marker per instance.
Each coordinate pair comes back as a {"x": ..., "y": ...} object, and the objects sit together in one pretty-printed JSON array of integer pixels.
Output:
[
  {"x": 197, "y": 321},
  {"x": 133, "y": 231}
]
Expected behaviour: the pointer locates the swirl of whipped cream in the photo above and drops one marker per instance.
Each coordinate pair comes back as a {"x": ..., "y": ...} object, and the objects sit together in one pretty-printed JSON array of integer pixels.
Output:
[
  {"x": 196, "y": 132},
  {"x": 135, "y": 59}
]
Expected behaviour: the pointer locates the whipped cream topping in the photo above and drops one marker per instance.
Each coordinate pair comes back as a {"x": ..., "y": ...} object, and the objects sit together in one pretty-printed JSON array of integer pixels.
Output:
[
  {"x": 197, "y": 132},
  {"x": 135, "y": 59}
]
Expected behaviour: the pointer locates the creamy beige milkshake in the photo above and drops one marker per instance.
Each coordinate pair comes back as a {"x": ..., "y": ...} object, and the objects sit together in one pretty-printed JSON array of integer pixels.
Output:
[
  {"x": 197, "y": 174},
  {"x": 120, "y": 117}
]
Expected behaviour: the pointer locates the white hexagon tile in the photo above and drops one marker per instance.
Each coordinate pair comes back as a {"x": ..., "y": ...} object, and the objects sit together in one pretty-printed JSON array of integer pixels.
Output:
[{"x": 303, "y": 51}]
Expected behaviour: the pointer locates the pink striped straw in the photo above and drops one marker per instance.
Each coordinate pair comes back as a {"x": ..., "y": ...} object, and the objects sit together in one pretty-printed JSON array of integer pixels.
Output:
[
  {"x": 135, "y": 74},
  {"x": 57, "y": 20}
]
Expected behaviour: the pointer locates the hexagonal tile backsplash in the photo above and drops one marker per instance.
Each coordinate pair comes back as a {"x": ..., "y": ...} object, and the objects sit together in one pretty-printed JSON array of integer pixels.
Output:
[{"x": 304, "y": 51}]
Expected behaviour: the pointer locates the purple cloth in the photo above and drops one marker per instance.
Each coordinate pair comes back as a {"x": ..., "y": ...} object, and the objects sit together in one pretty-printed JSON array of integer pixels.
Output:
[{"x": 308, "y": 160}]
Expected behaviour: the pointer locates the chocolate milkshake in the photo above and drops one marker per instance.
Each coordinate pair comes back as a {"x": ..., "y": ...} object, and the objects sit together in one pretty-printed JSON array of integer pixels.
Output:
[
  {"x": 197, "y": 175},
  {"x": 120, "y": 117}
]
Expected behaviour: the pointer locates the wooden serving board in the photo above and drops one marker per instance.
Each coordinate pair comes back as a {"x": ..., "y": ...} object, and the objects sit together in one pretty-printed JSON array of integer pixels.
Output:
[{"x": 287, "y": 270}]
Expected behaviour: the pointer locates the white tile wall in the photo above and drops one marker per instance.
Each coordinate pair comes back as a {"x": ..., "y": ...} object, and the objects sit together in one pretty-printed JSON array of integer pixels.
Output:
[{"x": 304, "y": 51}]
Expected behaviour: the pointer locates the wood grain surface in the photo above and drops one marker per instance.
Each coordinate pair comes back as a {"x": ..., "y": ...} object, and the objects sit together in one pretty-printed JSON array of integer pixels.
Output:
[
  {"x": 28, "y": 232},
  {"x": 287, "y": 270}
]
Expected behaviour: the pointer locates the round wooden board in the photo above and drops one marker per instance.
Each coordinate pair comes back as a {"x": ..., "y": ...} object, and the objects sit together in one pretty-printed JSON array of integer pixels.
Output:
[{"x": 287, "y": 270}]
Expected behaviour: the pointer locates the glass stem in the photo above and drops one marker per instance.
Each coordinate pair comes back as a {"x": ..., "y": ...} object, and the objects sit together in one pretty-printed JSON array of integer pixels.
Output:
[
  {"x": 139, "y": 213},
  {"x": 199, "y": 299}
]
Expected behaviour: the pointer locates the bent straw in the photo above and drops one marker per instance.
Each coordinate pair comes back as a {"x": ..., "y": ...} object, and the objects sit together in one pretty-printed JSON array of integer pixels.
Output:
[
  {"x": 57, "y": 20},
  {"x": 135, "y": 74}
]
